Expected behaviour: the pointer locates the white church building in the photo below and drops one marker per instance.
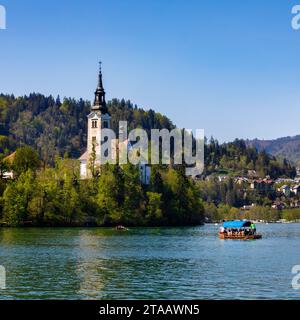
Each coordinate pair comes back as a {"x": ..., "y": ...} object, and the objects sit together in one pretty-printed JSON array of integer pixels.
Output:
[{"x": 99, "y": 119}]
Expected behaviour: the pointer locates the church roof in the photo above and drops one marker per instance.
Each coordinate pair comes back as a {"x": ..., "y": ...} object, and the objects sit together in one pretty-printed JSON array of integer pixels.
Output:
[
  {"x": 10, "y": 158},
  {"x": 99, "y": 102},
  {"x": 84, "y": 156}
]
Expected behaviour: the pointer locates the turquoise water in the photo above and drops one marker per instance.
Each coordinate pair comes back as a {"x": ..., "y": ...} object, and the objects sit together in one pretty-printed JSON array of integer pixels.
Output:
[{"x": 148, "y": 263}]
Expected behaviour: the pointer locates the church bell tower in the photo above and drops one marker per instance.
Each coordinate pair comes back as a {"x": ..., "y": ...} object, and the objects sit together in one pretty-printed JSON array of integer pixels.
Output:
[{"x": 98, "y": 119}]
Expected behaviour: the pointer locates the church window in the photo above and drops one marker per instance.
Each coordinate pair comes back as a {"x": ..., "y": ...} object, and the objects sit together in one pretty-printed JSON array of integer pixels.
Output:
[{"x": 94, "y": 123}]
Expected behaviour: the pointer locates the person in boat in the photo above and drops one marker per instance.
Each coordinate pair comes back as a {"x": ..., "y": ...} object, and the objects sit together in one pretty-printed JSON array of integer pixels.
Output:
[
  {"x": 240, "y": 229},
  {"x": 222, "y": 230},
  {"x": 253, "y": 228}
]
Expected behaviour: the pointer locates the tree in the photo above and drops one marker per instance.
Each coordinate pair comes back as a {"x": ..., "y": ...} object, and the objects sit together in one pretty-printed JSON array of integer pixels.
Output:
[
  {"x": 211, "y": 212},
  {"x": 182, "y": 203},
  {"x": 154, "y": 212},
  {"x": 16, "y": 199},
  {"x": 110, "y": 195},
  {"x": 92, "y": 162},
  {"x": 45, "y": 205},
  {"x": 133, "y": 196},
  {"x": 223, "y": 211},
  {"x": 26, "y": 158},
  {"x": 70, "y": 202},
  {"x": 156, "y": 181}
]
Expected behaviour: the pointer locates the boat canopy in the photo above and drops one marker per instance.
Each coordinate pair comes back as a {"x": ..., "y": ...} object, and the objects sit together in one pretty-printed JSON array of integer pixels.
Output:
[{"x": 236, "y": 224}]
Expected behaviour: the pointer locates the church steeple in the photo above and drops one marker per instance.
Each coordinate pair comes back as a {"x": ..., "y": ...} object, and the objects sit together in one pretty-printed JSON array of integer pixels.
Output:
[{"x": 99, "y": 102}]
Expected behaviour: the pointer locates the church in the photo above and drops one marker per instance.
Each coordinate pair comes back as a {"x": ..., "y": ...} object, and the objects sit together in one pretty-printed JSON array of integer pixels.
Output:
[{"x": 98, "y": 119}]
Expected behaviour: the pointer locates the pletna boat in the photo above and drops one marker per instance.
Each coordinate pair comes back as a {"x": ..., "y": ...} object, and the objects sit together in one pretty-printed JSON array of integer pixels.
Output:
[{"x": 239, "y": 230}]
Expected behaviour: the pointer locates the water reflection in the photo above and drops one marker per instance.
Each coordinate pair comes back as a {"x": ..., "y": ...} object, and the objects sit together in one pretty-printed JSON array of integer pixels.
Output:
[{"x": 89, "y": 268}]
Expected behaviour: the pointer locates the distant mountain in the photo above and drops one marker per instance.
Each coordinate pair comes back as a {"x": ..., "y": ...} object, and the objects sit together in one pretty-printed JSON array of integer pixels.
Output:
[{"x": 287, "y": 147}]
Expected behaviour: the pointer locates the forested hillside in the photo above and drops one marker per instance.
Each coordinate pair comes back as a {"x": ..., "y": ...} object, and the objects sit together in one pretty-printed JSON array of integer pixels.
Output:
[
  {"x": 287, "y": 147},
  {"x": 54, "y": 127},
  {"x": 42, "y": 128},
  {"x": 237, "y": 158},
  {"x": 58, "y": 127}
]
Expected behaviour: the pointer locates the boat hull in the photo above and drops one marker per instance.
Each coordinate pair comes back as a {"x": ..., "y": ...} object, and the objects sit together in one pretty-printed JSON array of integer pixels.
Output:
[{"x": 238, "y": 237}]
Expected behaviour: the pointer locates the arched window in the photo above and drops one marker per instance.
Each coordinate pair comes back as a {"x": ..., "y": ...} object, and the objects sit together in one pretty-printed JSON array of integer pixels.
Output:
[{"x": 94, "y": 123}]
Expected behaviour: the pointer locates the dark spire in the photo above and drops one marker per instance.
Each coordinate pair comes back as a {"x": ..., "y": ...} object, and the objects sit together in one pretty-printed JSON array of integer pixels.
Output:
[
  {"x": 100, "y": 103},
  {"x": 100, "y": 84}
]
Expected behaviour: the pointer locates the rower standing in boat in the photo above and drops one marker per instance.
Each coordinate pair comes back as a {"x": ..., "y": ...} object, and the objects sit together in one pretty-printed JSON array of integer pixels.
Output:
[{"x": 253, "y": 228}]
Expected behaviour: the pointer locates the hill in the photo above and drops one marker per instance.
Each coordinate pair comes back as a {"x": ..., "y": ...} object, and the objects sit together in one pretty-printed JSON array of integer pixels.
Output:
[
  {"x": 54, "y": 127},
  {"x": 286, "y": 147}
]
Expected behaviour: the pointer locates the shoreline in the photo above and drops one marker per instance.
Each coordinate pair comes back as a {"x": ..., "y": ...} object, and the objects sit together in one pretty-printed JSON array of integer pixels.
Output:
[{"x": 135, "y": 227}]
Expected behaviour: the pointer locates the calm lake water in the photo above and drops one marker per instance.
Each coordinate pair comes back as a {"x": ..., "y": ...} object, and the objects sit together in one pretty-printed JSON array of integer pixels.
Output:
[{"x": 148, "y": 263}]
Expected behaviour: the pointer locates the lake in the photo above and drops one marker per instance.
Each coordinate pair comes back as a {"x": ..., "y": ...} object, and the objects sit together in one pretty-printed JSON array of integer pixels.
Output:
[{"x": 148, "y": 263}]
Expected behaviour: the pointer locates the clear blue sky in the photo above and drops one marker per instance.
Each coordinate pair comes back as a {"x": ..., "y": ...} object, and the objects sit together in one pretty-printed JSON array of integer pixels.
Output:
[{"x": 231, "y": 67}]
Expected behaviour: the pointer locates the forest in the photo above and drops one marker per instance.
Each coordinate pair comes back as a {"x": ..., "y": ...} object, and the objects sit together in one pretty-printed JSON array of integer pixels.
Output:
[
  {"x": 56, "y": 196},
  {"x": 49, "y": 134},
  {"x": 55, "y": 128}
]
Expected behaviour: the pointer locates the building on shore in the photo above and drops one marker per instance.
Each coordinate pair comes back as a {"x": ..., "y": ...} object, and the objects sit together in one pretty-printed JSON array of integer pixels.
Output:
[
  {"x": 285, "y": 190},
  {"x": 296, "y": 190}
]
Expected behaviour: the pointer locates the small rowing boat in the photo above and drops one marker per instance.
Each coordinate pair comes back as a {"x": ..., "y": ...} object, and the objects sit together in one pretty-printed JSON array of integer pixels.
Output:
[{"x": 121, "y": 228}]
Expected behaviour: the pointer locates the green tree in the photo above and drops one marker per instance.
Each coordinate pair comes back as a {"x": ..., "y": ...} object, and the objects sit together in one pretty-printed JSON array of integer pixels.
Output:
[
  {"x": 16, "y": 199},
  {"x": 182, "y": 201},
  {"x": 26, "y": 158},
  {"x": 223, "y": 211},
  {"x": 156, "y": 181},
  {"x": 45, "y": 205},
  {"x": 133, "y": 196},
  {"x": 154, "y": 211},
  {"x": 57, "y": 198},
  {"x": 211, "y": 212},
  {"x": 110, "y": 195},
  {"x": 92, "y": 165}
]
